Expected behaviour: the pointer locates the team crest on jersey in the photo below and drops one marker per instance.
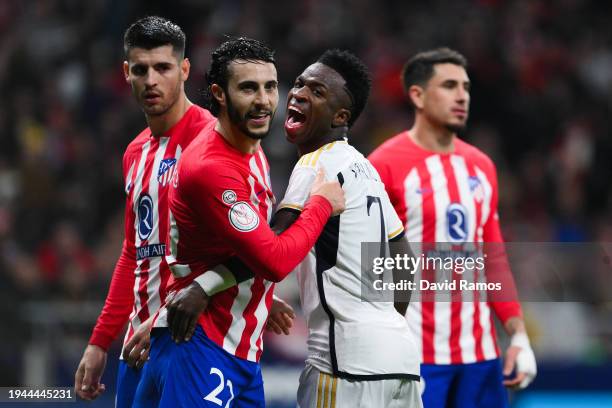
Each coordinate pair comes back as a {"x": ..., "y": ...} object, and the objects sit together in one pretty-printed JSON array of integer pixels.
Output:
[
  {"x": 476, "y": 188},
  {"x": 456, "y": 222},
  {"x": 243, "y": 217},
  {"x": 145, "y": 216},
  {"x": 166, "y": 171},
  {"x": 229, "y": 197}
]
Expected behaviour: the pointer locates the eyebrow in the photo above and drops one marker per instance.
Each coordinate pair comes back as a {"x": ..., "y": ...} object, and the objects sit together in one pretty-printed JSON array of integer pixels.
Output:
[{"x": 312, "y": 82}]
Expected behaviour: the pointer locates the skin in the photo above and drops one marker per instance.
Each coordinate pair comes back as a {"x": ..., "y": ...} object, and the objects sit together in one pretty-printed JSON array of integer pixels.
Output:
[
  {"x": 441, "y": 110},
  {"x": 248, "y": 105},
  {"x": 246, "y": 111},
  {"x": 319, "y": 94},
  {"x": 157, "y": 78}
]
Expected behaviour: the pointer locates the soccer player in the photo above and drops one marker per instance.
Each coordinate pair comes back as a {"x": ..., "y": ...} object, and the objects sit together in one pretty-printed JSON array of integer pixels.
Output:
[
  {"x": 156, "y": 69},
  {"x": 361, "y": 353},
  {"x": 445, "y": 190},
  {"x": 220, "y": 204}
]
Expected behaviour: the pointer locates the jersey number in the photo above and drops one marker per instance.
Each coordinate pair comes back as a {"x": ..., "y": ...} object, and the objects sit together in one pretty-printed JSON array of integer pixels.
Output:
[
  {"x": 383, "y": 240},
  {"x": 212, "y": 396}
]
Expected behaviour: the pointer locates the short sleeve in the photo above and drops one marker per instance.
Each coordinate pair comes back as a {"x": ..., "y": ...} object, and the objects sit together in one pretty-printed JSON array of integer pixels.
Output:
[
  {"x": 298, "y": 189},
  {"x": 395, "y": 227}
]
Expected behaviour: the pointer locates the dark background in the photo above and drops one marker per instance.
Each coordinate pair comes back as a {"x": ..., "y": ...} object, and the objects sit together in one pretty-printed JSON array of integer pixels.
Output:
[{"x": 541, "y": 102}]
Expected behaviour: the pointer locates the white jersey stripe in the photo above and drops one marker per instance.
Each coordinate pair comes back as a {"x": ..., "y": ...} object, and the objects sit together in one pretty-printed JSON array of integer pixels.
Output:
[
  {"x": 236, "y": 328},
  {"x": 414, "y": 234},
  {"x": 261, "y": 314},
  {"x": 414, "y": 207},
  {"x": 442, "y": 309},
  {"x": 467, "y": 342},
  {"x": 137, "y": 241},
  {"x": 153, "y": 301}
]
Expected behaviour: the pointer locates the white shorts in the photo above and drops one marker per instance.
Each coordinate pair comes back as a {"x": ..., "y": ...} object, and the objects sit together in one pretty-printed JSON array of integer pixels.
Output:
[{"x": 322, "y": 390}]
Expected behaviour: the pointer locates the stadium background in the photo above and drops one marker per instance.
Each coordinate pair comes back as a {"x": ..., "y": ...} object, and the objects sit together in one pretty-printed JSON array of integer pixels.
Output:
[{"x": 541, "y": 103}]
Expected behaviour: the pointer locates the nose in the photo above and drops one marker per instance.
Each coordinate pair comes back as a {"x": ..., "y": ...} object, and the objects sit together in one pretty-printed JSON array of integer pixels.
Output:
[
  {"x": 462, "y": 95},
  {"x": 151, "y": 78},
  {"x": 298, "y": 93},
  {"x": 262, "y": 98}
]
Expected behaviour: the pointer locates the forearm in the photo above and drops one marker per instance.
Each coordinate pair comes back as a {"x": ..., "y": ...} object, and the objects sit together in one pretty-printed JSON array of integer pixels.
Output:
[
  {"x": 400, "y": 248},
  {"x": 276, "y": 256},
  {"x": 515, "y": 325},
  {"x": 118, "y": 304}
]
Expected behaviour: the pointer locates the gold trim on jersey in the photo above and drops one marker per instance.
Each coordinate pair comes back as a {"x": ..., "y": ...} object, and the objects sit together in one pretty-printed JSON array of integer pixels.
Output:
[
  {"x": 326, "y": 391},
  {"x": 396, "y": 233},
  {"x": 311, "y": 159},
  {"x": 292, "y": 206}
]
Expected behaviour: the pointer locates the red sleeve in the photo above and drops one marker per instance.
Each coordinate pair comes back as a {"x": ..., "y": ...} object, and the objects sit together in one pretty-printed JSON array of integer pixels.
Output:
[
  {"x": 497, "y": 260},
  {"x": 120, "y": 299},
  {"x": 243, "y": 227}
]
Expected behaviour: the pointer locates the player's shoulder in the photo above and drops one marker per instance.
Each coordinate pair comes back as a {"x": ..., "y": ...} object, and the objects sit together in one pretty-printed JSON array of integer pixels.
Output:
[
  {"x": 474, "y": 154},
  {"x": 331, "y": 157},
  {"x": 205, "y": 161},
  {"x": 390, "y": 147},
  {"x": 135, "y": 146}
]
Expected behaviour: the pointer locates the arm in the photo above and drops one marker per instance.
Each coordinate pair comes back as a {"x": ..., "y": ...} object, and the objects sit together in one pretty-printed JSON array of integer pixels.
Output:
[
  {"x": 271, "y": 257},
  {"x": 115, "y": 314},
  {"x": 399, "y": 246},
  {"x": 508, "y": 309},
  {"x": 185, "y": 308}
]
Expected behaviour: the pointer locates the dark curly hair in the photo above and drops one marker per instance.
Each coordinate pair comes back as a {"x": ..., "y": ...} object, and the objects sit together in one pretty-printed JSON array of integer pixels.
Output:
[
  {"x": 240, "y": 48},
  {"x": 355, "y": 74},
  {"x": 152, "y": 32}
]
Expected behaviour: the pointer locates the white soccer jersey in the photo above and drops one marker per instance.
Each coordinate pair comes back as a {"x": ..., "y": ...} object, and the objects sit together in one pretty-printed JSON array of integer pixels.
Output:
[{"x": 349, "y": 337}]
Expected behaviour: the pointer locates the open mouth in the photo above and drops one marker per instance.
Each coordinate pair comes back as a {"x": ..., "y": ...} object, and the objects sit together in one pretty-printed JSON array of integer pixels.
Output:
[{"x": 295, "y": 118}]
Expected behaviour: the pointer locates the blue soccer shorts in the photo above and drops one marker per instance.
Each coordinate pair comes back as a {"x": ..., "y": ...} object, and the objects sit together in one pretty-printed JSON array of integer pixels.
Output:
[
  {"x": 476, "y": 385},
  {"x": 153, "y": 375},
  {"x": 202, "y": 374},
  {"x": 127, "y": 382}
]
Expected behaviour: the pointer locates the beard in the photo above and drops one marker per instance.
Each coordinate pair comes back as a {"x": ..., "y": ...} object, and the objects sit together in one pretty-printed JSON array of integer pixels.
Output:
[
  {"x": 456, "y": 128},
  {"x": 241, "y": 121}
]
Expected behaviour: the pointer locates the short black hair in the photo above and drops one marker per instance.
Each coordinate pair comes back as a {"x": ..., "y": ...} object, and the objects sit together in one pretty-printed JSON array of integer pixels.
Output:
[
  {"x": 420, "y": 68},
  {"x": 355, "y": 74},
  {"x": 152, "y": 32},
  {"x": 241, "y": 48}
]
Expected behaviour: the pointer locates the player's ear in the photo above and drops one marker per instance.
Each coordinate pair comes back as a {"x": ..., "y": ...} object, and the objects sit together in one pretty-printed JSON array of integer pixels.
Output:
[
  {"x": 416, "y": 94},
  {"x": 126, "y": 71},
  {"x": 341, "y": 118},
  {"x": 185, "y": 67},
  {"x": 218, "y": 93}
]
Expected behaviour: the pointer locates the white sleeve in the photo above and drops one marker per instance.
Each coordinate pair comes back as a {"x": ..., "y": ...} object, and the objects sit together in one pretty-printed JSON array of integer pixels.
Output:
[
  {"x": 298, "y": 189},
  {"x": 395, "y": 228}
]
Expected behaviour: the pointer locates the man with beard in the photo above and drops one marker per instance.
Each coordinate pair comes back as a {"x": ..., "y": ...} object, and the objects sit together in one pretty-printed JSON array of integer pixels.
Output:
[
  {"x": 220, "y": 205},
  {"x": 445, "y": 191},
  {"x": 156, "y": 69},
  {"x": 360, "y": 351}
]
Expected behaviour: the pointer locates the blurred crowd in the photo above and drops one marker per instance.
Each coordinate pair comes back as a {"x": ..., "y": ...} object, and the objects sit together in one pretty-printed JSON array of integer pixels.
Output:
[{"x": 541, "y": 103}]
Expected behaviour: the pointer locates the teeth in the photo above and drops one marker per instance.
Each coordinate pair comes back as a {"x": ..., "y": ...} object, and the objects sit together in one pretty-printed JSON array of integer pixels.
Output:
[{"x": 293, "y": 108}]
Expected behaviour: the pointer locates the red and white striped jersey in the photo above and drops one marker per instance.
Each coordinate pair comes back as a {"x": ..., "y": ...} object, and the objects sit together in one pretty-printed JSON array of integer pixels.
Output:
[
  {"x": 425, "y": 187},
  {"x": 221, "y": 203},
  {"x": 141, "y": 273}
]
